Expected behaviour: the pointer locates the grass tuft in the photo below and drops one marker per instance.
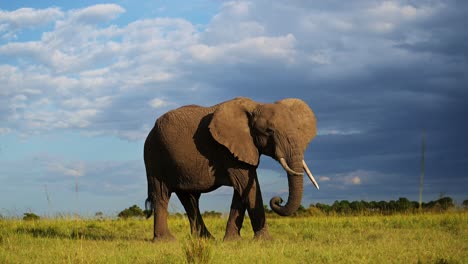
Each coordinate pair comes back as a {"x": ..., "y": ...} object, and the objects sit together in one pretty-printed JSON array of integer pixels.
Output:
[{"x": 198, "y": 250}]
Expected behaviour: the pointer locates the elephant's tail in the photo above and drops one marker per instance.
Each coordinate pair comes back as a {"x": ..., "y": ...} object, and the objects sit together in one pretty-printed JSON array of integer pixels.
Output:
[
  {"x": 148, "y": 207},
  {"x": 149, "y": 202}
]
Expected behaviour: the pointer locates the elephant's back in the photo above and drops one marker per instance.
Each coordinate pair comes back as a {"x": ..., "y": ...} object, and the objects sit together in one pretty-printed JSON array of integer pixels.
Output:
[{"x": 182, "y": 121}]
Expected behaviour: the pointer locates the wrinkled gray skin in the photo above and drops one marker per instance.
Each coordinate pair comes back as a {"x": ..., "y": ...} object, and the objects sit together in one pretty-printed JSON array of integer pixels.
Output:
[{"x": 193, "y": 150}]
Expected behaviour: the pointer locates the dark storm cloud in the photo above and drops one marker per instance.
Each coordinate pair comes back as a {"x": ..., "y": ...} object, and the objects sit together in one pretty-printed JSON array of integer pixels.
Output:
[
  {"x": 377, "y": 75},
  {"x": 372, "y": 117},
  {"x": 446, "y": 32}
]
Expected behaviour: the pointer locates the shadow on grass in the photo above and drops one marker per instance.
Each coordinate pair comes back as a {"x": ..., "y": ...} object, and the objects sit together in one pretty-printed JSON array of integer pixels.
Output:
[{"x": 90, "y": 232}]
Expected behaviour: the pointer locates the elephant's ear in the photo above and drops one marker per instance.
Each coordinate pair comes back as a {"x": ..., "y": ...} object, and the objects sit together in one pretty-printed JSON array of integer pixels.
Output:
[
  {"x": 306, "y": 122},
  {"x": 230, "y": 127}
]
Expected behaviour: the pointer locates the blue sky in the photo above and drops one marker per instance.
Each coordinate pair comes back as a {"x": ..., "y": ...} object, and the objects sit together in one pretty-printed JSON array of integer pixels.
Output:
[{"x": 81, "y": 84}]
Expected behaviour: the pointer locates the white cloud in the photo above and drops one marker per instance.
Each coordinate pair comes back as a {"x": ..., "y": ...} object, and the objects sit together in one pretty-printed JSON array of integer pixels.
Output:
[
  {"x": 357, "y": 177},
  {"x": 13, "y": 21},
  {"x": 81, "y": 118},
  {"x": 82, "y": 70},
  {"x": 4, "y": 130},
  {"x": 96, "y": 14},
  {"x": 98, "y": 177},
  {"x": 324, "y": 178},
  {"x": 83, "y": 102},
  {"x": 133, "y": 134},
  {"x": 233, "y": 23},
  {"x": 77, "y": 102},
  {"x": 38, "y": 120},
  {"x": 389, "y": 15},
  {"x": 28, "y": 17},
  {"x": 236, "y": 8},
  {"x": 247, "y": 50},
  {"x": 72, "y": 169},
  {"x": 326, "y": 132},
  {"x": 395, "y": 10},
  {"x": 158, "y": 103}
]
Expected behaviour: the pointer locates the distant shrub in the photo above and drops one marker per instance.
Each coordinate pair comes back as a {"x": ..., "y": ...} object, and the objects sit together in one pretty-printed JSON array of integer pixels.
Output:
[
  {"x": 30, "y": 217},
  {"x": 211, "y": 214},
  {"x": 133, "y": 211},
  {"x": 99, "y": 215},
  {"x": 440, "y": 205},
  {"x": 314, "y": 211},
  {"x": 345, "y": 207}
]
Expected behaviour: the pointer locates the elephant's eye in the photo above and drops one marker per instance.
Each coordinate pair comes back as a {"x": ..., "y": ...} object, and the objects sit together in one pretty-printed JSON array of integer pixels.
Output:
[{"x": 269, "y": 131}]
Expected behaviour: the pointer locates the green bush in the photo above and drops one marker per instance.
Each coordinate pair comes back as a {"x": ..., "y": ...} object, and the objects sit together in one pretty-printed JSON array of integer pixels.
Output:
[
  {"x": 133, "y": 211},
  {"x": 30, "y": 217},
  {"x": 212, "y": 214}
]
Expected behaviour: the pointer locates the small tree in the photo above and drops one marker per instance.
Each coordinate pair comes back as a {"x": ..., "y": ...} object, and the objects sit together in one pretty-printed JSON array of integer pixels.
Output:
[
  {"x": 99, "y": 215},
  {"x": 325, "y": 208},
  {"x": 211, "y": 214},
  {"x": 445, "y": 203},
  {"x": 465, "y": 204},
  {"x": 132, "y": 211},
  {"x": 403, "y": 204},
  {"x": 30, "y": 217}
]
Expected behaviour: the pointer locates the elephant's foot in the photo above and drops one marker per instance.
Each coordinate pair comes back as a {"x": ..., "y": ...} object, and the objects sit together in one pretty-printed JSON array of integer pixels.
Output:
[
  {"x": 163, "y": 238},
  {"x": 232, "y": 237},
  {"x": 262, "y": 235}
]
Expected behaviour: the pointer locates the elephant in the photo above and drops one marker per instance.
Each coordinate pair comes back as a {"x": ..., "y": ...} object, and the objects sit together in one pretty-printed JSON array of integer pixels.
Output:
[{"x": 193, "y": 150}]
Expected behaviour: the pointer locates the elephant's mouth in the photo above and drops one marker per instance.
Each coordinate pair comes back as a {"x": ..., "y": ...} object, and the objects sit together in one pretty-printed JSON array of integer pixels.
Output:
[{"x": 285, "y": 166}]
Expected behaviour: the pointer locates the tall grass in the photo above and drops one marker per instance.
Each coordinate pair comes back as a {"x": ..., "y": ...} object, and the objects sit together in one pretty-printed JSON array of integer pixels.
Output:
[
  {"x": 423, "y": 238},
  {"x": 198, "y": 250}
]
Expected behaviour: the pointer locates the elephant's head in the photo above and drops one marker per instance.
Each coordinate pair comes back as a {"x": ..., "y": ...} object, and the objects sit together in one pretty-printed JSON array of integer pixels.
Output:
[{"x": 281, "y": 130}]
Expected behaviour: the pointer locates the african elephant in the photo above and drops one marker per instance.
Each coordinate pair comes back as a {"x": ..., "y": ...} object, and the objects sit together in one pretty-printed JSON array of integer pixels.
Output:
[{"x": 193, "y": 150}]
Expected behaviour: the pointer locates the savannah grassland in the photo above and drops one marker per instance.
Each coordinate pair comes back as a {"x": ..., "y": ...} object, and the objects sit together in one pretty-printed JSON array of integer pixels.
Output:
[{"x": 413, "y": 238}]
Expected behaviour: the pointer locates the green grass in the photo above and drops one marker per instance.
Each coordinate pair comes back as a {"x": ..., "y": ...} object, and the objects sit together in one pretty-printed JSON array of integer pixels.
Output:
[{"x": 426, "y": 238}]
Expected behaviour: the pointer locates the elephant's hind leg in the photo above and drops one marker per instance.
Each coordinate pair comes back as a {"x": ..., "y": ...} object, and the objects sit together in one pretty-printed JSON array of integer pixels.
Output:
[
  {"x": 190, "y": 201},
  {"x": 161, "y": 229}
]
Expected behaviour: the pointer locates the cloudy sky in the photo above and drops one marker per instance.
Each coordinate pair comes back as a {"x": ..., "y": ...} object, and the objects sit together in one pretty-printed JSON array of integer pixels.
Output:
[{"x": 82, "y": 82}]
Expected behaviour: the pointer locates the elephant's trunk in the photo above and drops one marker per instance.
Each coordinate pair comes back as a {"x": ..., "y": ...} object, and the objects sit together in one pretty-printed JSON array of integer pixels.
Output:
[{"x": 296, "y": 187}]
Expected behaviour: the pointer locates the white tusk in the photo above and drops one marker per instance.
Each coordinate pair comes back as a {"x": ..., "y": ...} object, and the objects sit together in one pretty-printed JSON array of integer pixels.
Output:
[
  {"x": 287, "y": 169},
  {"x": 312, "y": 179}
]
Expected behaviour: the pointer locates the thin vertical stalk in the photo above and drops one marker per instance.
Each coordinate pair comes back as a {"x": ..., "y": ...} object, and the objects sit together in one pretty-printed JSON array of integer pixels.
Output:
[{"x": 421, "y": 178}]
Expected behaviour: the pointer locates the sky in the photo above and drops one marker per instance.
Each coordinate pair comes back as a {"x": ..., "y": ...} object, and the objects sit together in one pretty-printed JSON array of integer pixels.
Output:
[{"x": 82, "y": 82}]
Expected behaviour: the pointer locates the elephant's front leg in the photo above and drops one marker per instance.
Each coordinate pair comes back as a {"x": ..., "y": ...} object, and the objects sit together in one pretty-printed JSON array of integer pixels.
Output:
[
  {"x": 257, "y": 211},
  {"x": 248, "y": 197},
  {"x": 236, "y": 218}
]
